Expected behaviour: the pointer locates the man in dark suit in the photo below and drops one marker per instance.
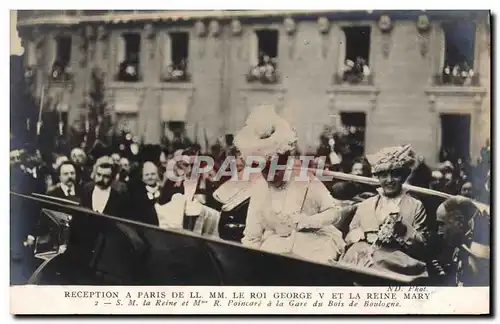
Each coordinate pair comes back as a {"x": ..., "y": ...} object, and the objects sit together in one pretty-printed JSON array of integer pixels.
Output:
[
  {"x": 93, "y": 239},
  {"x": 145, "y": 194},
  {"x": 67, "y": 187},
  {"x": 101, "y": 196}
]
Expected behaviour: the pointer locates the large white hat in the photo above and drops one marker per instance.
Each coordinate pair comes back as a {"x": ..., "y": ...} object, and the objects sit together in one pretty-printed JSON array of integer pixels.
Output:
[{"x": 265, "y": 134}]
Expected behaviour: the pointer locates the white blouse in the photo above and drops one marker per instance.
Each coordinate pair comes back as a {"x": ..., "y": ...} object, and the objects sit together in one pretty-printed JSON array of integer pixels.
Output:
[{"x": 274, "y": 211}]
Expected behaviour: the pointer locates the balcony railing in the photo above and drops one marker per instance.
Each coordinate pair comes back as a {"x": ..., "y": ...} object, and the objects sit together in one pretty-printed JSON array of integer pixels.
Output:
[
  {"x": 456, "y": 80},
  {"x": 176, "y": 73},
  {"x": 354, "y": 79}
]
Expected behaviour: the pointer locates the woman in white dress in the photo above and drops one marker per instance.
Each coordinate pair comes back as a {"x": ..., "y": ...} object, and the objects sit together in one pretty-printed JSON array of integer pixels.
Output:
[{"x": 288, "y": 215}]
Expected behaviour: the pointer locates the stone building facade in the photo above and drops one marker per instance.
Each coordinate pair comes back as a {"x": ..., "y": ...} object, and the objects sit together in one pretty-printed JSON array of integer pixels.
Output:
[{"x": 400, "y": 100}]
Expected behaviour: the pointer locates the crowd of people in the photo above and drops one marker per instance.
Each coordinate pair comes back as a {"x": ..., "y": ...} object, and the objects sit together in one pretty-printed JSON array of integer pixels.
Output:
[{"x": 320, "y": 220}]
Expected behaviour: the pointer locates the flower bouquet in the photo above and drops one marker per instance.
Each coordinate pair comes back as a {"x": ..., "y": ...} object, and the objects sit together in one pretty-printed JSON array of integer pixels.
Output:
[
  {"x": 387, "y": 233},
  {"x": 175, "y": 73}
]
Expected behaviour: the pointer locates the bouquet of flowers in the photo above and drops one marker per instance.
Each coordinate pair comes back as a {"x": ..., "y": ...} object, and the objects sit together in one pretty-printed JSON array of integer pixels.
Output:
[
  {"x": 387, "y": 232},
  {"x": 176, "y": 73}
]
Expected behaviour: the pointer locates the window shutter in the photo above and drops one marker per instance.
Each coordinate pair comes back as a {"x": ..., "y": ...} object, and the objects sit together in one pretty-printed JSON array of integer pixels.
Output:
[
  {"x": 51, "y": 51},
  {"x": 254, "y": 49},
  {"x": 167, "y": 50},
  {"x": 120, "y": 51},
  {"x": 440, "y": 49},
  {"x": 31, "y": 53},
  {"x": 342, "y": 50}
]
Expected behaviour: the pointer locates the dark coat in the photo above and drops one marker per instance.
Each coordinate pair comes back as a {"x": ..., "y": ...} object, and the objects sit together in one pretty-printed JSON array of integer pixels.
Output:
[
  {"x": 89, "y": 234},
  {"x": 117, "y": 204},
  {"x": 59, "y": 193},
  {"x": 142, "y": 208}
]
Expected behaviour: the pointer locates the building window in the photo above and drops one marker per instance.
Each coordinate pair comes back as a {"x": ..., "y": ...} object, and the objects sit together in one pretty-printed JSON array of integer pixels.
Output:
[
  {"x": 264, "y": 56},
  {"x": 354, "y": 126},
  {"x": 129, "y": 63},
  {"x": 60, "y": 66},
  {"x": 455, "y": 137},
  {"x": 176, "y": 57},
  {"x": 354, "y": 55},
  {"x": 458, "y": 54},
  {"x": 174, "y": 136}
]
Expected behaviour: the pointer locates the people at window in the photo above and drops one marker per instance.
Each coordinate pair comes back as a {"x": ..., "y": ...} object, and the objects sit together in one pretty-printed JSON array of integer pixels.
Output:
[
  {"x": 265, "y": 70},
  {"x": 60, "y": 71},
  {"x": 129, "y": 69},
  {"x": 177, "y": 71},
  {"x": 356, "y": 71},
  {"x": 458, "y": 74}
]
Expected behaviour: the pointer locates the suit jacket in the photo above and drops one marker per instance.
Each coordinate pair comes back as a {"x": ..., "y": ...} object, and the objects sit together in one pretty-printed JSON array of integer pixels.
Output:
[
  {"x": 142, "y": 208},
  {"x": 59, "y": 193},
  {"x": 115, "y": 206},
  {"x": 89, "y": 233}
]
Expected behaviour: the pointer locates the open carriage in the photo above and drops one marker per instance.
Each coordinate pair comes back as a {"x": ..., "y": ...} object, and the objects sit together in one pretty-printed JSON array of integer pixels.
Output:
[{"x": 108, "y": 250}]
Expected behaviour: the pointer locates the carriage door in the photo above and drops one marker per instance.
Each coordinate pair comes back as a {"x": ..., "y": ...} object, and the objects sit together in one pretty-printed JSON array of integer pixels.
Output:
[{"x": 455, "y": 135}]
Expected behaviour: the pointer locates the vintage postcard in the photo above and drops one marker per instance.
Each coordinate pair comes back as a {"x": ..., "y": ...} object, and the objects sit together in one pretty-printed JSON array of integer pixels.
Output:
[{"x": 250, "y": 162}]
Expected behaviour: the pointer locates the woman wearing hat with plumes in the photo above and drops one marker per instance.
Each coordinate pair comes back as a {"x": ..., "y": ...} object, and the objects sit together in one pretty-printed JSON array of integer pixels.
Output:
[
  {"x": 389, "y": 231},
  {"x": 291, "y": 215}
]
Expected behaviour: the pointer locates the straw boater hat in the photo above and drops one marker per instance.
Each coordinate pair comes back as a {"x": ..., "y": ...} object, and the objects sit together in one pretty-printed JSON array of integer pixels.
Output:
[
  {"x": 392, "y": 158},
  {"x": 265, "y": 134}
]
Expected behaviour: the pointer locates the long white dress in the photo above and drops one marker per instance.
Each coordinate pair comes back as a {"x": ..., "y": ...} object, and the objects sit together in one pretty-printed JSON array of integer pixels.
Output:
[{"x": 272, "y": 218}]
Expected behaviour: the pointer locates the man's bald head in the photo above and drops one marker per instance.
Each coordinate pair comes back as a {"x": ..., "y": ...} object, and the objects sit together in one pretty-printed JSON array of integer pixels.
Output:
[{"x": 150, "y": 174}]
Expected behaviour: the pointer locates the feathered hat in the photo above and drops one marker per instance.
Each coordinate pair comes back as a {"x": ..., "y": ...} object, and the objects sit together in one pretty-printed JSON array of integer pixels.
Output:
[
  {"x": 265, "y": 134},
  {"x": 392, "y": 158}
]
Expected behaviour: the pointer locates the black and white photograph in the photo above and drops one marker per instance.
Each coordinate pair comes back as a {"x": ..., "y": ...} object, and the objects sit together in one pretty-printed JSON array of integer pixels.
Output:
[{"x": 276, "y": 150}]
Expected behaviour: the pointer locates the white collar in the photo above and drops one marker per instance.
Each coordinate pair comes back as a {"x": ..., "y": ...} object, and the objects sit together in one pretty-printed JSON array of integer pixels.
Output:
[
  {"x": 107, "y": 190},
  {"x": 66, "y": 189},
  {"x": 152, "y": 189}
]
